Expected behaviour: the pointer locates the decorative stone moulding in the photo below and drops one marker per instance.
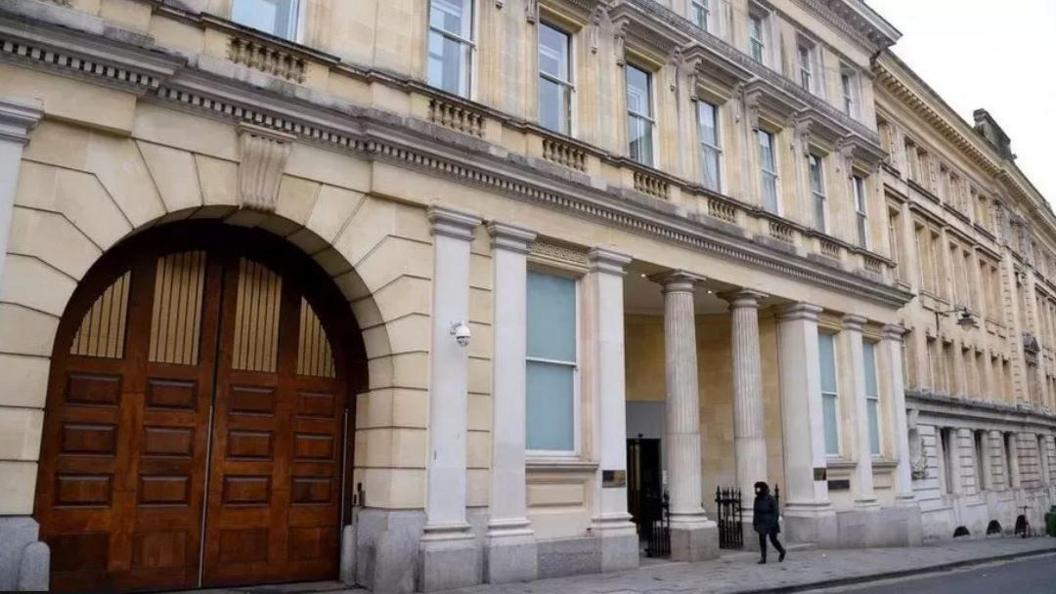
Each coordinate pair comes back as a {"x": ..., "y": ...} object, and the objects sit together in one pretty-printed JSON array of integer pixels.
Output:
[
  {"x": 264, "y": 154},
  {"x": 269, "y": 124}
]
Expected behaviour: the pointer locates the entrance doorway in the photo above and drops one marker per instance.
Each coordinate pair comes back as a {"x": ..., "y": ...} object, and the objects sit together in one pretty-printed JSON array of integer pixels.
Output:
[
  {"x": 645, "y": 496},
  {"x": 197, "y": 410}
]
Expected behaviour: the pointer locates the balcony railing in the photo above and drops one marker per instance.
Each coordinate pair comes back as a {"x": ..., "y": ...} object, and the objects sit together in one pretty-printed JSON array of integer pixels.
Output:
[{"x": 456, "y": 117}]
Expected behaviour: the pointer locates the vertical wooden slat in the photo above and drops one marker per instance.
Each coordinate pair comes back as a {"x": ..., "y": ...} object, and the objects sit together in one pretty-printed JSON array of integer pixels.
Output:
[
  {"x": 314, "y": 355},
  {"x": 256, "y": 318},
  {"x": 102, "y": 330},
  {"x": 176, "y": 317}
]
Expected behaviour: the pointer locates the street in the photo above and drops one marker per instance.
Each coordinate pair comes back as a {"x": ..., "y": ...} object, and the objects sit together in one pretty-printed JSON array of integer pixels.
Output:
[{"x": 1036, "y": 575}]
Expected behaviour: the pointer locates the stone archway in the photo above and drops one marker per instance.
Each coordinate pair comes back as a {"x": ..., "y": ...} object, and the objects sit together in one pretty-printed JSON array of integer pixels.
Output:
[{"x": 197, "y": 417}]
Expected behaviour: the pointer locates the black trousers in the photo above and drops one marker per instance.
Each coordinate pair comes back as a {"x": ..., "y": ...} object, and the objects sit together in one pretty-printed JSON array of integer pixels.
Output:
[{"x": 773, "y": 541}]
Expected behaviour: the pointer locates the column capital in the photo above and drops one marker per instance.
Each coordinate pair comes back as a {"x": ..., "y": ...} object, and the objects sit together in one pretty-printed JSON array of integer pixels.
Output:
[
  {"x": 892, "y": 332},
  {"x": 18, "y": 117},
  {"x": 609, "y": 261},
  {"x": 452, "y": 223},
  {"x": 853, "y": 322},
  {"x": 510, "y": 237},
  {"x": 743, "y": 298},
  {"x": 676, "y": 281},
  {"x": 799, "y": 311}
]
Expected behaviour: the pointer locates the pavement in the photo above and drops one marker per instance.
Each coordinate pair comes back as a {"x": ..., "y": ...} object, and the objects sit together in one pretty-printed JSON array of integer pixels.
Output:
[{"x": 805, "y": 569}]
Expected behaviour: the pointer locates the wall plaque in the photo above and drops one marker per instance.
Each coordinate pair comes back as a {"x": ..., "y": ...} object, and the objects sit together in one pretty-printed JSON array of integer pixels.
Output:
[{"x": 613, "y": 478}]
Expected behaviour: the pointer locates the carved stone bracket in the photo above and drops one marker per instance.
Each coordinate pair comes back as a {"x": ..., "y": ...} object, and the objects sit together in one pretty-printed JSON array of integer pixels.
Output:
[
  {"x": 264, "y": 154},
  {"x": 619, "y": 40},
  {"x": 531, "y": 10},
  {"x": 845, "y": 150}
]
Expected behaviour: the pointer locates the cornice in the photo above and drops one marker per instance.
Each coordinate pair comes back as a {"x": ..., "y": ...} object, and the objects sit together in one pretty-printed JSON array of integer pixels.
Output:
[
  {"x": 382, "y": 136},
  {"x": 856, "y": 20},
  {"x": 984, "y": 412}
]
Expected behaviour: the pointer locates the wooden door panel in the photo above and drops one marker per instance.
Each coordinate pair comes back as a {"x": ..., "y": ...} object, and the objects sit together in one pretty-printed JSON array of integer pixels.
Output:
[{"x": 125, "y": 436}]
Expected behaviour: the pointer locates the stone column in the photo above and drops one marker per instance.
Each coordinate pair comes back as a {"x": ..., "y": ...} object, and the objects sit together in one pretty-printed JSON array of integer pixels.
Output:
[
  {"x": 619, "y": 538},
  {"x": 1015, "y": 479},
  {"x": 511, "y": 554},
  {"x": 749, "y": 428},
  {"x": 24, "y": 560},
  {"x": 808, "y": 513},
  {"x": 891, "y": 364},
  {"x": 693, "y": 536},
  {"x": 863, "y": 470},
  {"x": 448, "y": 556},
  {"x": 17, "y": 119}
]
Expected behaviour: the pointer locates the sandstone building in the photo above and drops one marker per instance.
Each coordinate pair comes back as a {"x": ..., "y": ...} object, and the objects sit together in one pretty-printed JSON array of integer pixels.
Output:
[{"x": 427, "y": 293}]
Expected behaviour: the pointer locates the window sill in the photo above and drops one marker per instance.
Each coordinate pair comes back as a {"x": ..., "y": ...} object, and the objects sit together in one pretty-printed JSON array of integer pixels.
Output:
[{"x": 559, "y": 464}]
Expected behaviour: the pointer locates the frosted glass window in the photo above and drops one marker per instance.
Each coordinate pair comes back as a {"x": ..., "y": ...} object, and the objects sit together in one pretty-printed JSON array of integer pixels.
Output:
[
  {"x": 829, "y": 392},
  {"x": 277, "y": 17},
  {"x": 872, "y": 398},
  {"x": 551, "y": 366}
]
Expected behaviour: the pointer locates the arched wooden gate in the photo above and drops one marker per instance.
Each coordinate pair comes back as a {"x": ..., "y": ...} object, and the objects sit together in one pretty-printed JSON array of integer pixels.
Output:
[{"x": 197, "y": 409}]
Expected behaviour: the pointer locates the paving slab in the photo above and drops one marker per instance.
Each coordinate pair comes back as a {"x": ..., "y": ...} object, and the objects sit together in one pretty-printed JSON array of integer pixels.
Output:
[{"x": 805, "y": 568}]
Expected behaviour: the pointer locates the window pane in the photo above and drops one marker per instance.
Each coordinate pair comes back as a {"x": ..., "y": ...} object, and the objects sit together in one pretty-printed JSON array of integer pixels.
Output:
[
  {"x": 832, "y": 441},
  {"x": 709, "y": 125},
  {"x": 815, "y": 174},
  {"x": 766, "y": 150},
  {"x": 551, "y": 317},
  {"x": 448, "y": 64},
  {"x": 873, "y": 409},
  {"x": 711, "y": 168},
  {"x": 453, "y": 16},
  {"x": 819, "y": 212},
  {"x": 553, "y": 52},
  {"x": 827, "y": 359},
  {"x": 550, "y": 398},
  {"x": 869, "y": 351},
  {"x": 277, "y": 17},
  {"x": 553, "y": 106},
  {"x": 640, "y": 133},
  {"x": 638, "y": 100},
  {"x": 770, "y": 192}
]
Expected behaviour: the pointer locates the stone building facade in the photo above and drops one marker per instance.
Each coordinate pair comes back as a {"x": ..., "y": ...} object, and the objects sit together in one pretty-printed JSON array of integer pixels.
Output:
[{"x": 396, "y": 290}]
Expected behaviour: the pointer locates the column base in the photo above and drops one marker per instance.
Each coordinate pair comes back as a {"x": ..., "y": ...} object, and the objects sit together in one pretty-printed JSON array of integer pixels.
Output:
[
  {"x": 511, "y": 558},
  {"x": 866, "y": 504},
  {"x": 25, "y": 562},
  {"x": 811, "y": 523},
  {"x": 695, "y": 542},
  {"x": 448, "y": 560},
  {"x": 618, "y": 541}
]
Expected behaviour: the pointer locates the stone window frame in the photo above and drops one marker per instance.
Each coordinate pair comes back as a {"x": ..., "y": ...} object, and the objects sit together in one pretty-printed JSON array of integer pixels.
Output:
[
  {"x": 765, "y": 41},
  {"x": 851, "y": 91}
]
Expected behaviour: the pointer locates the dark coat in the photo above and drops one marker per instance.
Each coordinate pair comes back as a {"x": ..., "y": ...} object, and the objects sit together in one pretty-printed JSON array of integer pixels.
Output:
[{"x": 764, "y": 514}]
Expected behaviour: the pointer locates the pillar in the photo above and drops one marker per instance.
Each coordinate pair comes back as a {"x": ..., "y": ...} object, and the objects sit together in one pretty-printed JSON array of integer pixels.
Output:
[
  {"x": 611, "y": 522},
  {"x": 448, "y": 556},
  {"x": 808, "y": 513},
  {"x": 23, "y": 559},
  {"x": 865, "y": 496},
  {"x": 693, "y": 536},
  {"x": 891, "y": 362},
  {"x": 511, "y": 553},
  {"x": 749, "y": 423},
  {"x": 17, "y": 119}
]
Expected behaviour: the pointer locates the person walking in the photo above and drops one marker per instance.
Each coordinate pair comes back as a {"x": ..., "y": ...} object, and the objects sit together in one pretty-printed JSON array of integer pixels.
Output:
[{"x": 764, "y": 520}]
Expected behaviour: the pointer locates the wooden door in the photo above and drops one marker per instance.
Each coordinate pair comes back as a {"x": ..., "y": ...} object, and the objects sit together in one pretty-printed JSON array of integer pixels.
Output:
[
  {"x": 274, "y": 491},
  {"x": 127, "y": 422},
  {"x": 194, "y": 420}
]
